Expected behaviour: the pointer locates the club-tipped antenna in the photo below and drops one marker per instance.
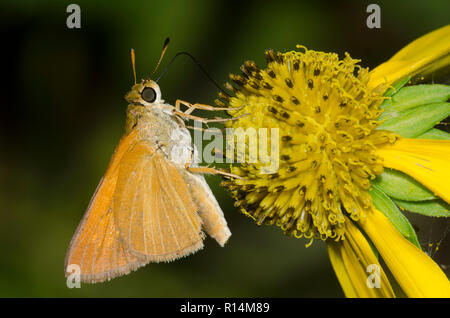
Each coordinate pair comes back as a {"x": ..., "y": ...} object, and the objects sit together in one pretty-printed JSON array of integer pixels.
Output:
[
  {"x": 197, "y": 63},
  {"x": 133, "y": 63},
  {"x": 166, "y": 44}
]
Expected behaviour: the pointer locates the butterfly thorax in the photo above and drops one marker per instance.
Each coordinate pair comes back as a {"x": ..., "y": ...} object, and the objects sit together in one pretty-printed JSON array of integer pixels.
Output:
[{"x": 157, "y": 125}]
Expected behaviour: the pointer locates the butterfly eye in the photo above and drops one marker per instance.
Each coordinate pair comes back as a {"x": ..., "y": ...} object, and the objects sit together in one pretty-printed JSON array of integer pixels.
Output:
[{"x": 149, "y": 95}]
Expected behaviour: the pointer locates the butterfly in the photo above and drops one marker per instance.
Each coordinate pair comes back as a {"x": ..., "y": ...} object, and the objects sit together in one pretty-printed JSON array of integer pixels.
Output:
[{"x": 153, "y": 203}]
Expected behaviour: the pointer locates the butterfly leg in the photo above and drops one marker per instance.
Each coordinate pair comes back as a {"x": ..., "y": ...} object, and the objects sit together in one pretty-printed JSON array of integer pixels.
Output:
[
  {"x": 208, "y": 170},
  {"x": 216, "y": 131},
  {"x": 206, "y": 120},
  {"x": 192, "y": 107}
]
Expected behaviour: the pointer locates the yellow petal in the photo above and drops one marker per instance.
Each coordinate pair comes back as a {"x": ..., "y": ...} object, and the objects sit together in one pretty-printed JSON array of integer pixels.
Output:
[
  {"x": 426, "y": 54},
  {"x": 415, "y": 271},
  {"x": 425, "y": 160},
  {"x": 350, "y": 259},
  {"x": 335, "y": 251}
]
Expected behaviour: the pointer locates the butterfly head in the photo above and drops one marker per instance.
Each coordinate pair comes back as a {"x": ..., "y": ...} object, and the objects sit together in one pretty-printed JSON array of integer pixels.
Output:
[{"x": 145, "y": 93}]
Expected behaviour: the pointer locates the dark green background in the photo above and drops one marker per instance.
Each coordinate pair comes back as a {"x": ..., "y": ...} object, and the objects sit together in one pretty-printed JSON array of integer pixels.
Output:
[{"x": 63, "y": 113}]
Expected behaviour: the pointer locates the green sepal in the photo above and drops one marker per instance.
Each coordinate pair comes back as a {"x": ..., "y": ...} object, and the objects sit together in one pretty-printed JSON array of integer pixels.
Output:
[
  {"x": 434, "y": 133},
  {"x": 436, "y": 208},
  {"x": 415, "y": 121},
  {"x": 400, "y": 186},
  {"x": 413, "y": 96},
  {"x": 384, "y": 204},
  {"x": 396, "y": 87}
]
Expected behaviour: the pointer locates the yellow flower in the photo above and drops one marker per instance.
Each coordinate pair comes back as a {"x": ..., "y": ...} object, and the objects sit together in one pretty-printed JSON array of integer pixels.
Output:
[{"x": 328, "y": 112}]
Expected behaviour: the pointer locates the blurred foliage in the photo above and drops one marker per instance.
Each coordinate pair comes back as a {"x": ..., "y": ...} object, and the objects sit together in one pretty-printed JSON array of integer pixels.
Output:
[{"x": 64, "y": 112}]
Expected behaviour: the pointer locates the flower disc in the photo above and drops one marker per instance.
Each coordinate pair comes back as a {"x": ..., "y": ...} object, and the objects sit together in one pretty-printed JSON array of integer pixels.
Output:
[{"x": 327, "y": 119}]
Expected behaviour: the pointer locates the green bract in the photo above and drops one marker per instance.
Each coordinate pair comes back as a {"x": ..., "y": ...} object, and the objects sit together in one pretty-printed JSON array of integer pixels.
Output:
[
  {"x": 414, "y": 110},
  {"x": 434, "y": 133},
  {"x": 384, "y": 204},
  {"x": 401, "y": 186},
  {"x": 413, "y": 96},
  {"x": 436, "y": 208},
  {"x": 412, "y": 122}
]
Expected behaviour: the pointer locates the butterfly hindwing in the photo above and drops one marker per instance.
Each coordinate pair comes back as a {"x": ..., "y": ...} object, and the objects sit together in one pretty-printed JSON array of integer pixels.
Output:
[{"x": 213, "y": 220}]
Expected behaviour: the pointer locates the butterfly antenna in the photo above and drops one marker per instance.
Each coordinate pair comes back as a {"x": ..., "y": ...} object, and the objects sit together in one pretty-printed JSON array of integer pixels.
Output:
[
  {"x": 133, "y": 62},
  {"x": 199, "y": 66},
  {"x": 166, "y": 44}
]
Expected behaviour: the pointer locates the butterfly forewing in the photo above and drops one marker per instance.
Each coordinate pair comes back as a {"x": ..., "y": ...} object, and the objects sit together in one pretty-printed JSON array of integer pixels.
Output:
[
  {"x": 95, "y": 246},
  {"x": 154, "y": 211}
]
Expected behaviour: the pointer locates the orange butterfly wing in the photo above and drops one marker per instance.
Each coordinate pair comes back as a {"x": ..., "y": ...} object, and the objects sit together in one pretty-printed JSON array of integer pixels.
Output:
[
  {"x": 154, "y": 211},
  {"x": 213, "y": 221},
  {"x": 143, "y": 210},
  {"x": 95, "y": 246}
]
